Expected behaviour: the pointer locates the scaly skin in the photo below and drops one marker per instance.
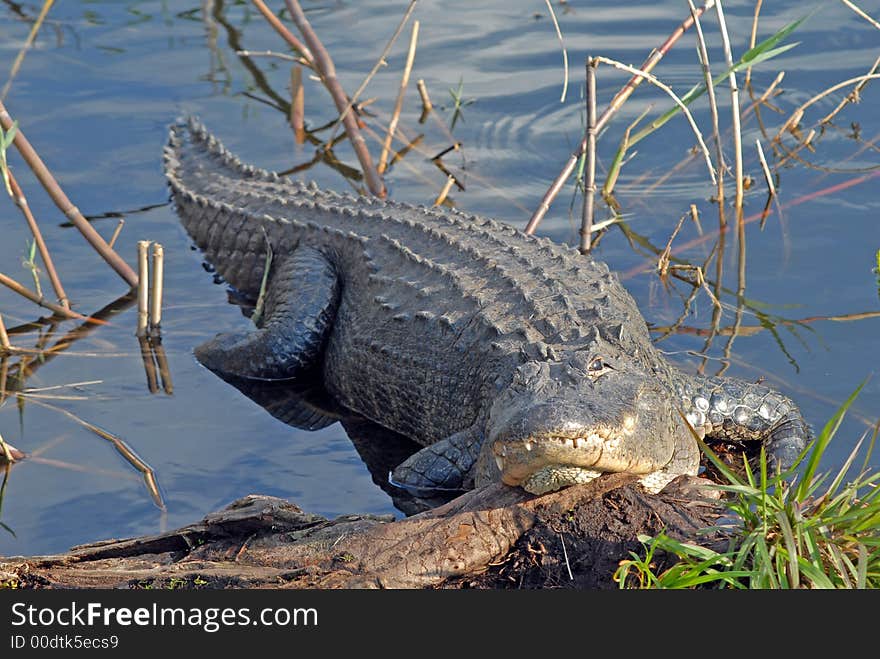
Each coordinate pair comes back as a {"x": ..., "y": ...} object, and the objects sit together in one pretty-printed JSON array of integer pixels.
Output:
[{"x": 507, "y": 356}]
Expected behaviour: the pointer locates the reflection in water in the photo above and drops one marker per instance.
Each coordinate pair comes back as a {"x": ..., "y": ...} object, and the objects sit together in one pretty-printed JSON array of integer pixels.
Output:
[{"x": 305, "y": 404}]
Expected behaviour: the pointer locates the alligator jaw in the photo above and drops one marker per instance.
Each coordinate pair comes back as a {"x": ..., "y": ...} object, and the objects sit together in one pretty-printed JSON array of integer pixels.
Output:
[{"x": 541, "y": 464}]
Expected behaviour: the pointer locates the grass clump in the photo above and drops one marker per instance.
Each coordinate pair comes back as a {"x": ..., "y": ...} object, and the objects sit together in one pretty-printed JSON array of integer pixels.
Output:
[{"x": 787, "y": 530}]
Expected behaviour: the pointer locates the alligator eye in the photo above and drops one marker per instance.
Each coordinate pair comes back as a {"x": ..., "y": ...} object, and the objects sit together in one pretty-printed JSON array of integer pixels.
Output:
[{"x": 596, "y": 367}]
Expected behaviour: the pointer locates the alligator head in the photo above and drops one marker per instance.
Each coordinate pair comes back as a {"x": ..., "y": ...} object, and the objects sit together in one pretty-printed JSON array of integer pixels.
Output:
[{"x": 564, "y": 422}]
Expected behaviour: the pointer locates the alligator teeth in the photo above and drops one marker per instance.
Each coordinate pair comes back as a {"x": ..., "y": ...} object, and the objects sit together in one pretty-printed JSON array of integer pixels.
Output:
[
  {"x": 528, "y": 445},
  {"x": 580, "y": 442},
  {"x": 500, "y": 462}
]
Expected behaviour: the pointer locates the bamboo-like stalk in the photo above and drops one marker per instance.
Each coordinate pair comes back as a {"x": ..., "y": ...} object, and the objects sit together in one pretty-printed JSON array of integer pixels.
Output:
[
  {"x": 736, "y": 127},
  {"x": 327, "y": 70},
  {"x": 861, "y": 13},
  {"x": 297, "y": 104},
  {"x": 615, "y": 105},
  {"x": 21, "y": 201},
  {"x": 156, "y": 284},
  {"x": 281, "y": 29},
  {"x": 143, "y": 290},
  {"x": 590, "y": 169},
  {"x": 16, "y": 65},
  {"x": 63, "y": 203},
  {"x": 398, "y": 105}
]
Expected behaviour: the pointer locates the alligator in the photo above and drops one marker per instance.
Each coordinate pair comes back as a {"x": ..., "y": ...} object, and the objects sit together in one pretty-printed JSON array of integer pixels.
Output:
[{"x": 504, "y": 355}]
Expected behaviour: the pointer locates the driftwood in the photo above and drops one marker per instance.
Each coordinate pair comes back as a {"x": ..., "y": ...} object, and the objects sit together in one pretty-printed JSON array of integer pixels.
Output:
[{"x": 492, "y": 537}]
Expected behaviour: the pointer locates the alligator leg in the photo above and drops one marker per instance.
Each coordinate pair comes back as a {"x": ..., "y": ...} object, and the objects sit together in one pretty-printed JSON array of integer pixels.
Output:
[
  {"x": 300, "y": 305},
  {"x": 733, "y": 409},
  {"x": 446, "y": 465}
]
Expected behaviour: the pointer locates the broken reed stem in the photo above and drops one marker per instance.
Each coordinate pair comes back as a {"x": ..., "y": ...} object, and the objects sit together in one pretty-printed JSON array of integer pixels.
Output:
[
  {"x": 450, "y": 181},
  {"x": 398, "y": 105},
  {"x": 767, "y": 176},
  {"x": 16, "y": 65},
  {"x": 156, "y": 288},
  {"x": 297, "y": 104},
  {"x": 753, "y": 39},
  {"x": 281, "y": 29},
  {"x": 713, "y": 106},
  {"x": 616, "y": 103},
  {"x": 57, "y": 309},
  {"x": 63, "y": 203},
  {"x": 427, "y": 106},
  {"x": 6, "y": 450},
  {"x": 327, "y": 71},
  {"x": 21, "y": 201},
  {"x": 379, "y": 64},
  {"x": 656, "y": 82},
  {"x": 143, "y": 287},
  {"x": 735, "y": 113},
  {"x": 116, "y": 232},
  {"x": 590, "y": 169}
]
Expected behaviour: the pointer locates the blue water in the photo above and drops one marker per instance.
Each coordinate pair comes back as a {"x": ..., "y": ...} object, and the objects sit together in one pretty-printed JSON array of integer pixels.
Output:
[{"x": 103, "y": 80}]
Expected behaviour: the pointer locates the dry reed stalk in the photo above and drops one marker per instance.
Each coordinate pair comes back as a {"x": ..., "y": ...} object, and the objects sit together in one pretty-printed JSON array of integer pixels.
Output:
[
  {"x": 450, "y": 180},
  {"x": 861, "y": 13},
  {"x": 378, "y": 65},
  {"x": 713, "y": 107},
  {"x": 327, "y": 71},
  {"x": 762, "y": 99},
  {"x": 590, "y": 169},
  {"x": 798, "y": 114},
  {"x": 767, "y": 176},
  {"x": 57, "y": 309},
  {"x": 16, "y": 65},
  {"x": 427, "y": 106},
  {"x": 297, "y": 104},
  {"x": 116, "y": 232},
  {"x": 143, "y": 290},
  {"x": 21, "y": 201},
  {"x": 616, "y": 103},
  {"x": 4, "y": 337},
  {"x": 156, "y": 288},
  {"x": 753, "y": 40},
  {"x": 564, "y": 51},
  {"x": 6, "y": 451},
  {"x": 660, "y": 85},
  {"x": 281, "y": 29},
  {"x": 398, "y": 105},
  {"x": 736, "y": 124},
  {"x": 63, "y": 203},
  {"x": 852, "y": 97}
]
